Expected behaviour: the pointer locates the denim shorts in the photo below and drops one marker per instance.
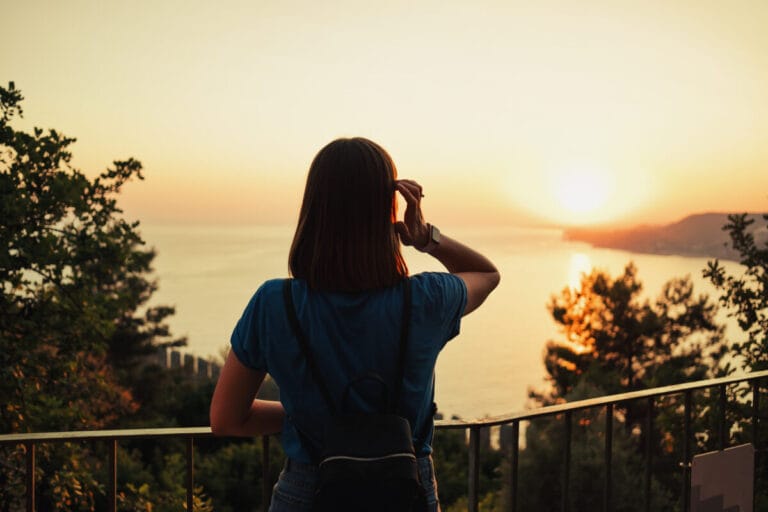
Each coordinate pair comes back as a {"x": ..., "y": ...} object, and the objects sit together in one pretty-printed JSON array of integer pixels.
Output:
[{"x": 295, "y": 489}]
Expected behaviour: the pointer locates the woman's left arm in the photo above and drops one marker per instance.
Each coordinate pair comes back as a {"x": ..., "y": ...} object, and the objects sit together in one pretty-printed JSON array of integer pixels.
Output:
[{"x": 234, "y": 409}]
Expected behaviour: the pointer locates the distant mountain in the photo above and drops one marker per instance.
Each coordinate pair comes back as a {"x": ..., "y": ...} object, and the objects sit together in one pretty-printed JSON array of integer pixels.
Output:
[{"x": 696, "y": 235}]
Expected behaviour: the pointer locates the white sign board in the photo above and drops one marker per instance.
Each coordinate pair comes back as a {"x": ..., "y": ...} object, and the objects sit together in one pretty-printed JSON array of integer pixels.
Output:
[{"x": 723, "y": 481}]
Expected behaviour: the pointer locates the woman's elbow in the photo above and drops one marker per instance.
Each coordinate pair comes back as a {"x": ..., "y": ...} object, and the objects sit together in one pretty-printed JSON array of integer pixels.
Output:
[
  {"x": 494, "y": 279},
  {"x": 221, "y": 425},
  {"x": 217, "y": 428},
  {"x": 479, "y": 286}
]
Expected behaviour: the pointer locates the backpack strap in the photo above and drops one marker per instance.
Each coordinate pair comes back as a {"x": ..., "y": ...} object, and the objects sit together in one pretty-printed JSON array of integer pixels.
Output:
[
  {"x": 404, "y": 330},
  {"x": 296, "y": 328},
  {"x": 394, "y": 402}
]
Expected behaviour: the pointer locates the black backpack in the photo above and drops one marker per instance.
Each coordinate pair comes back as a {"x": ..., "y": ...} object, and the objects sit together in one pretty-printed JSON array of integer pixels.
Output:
[{"x": 367, "y": 461}]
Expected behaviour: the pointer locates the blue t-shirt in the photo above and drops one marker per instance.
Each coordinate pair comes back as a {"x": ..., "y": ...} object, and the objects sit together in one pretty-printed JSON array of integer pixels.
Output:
[{"x": 350, "y": 334}]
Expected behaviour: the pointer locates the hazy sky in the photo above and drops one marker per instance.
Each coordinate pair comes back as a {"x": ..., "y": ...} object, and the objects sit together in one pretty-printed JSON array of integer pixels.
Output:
[{"x": 567, "y": 111}]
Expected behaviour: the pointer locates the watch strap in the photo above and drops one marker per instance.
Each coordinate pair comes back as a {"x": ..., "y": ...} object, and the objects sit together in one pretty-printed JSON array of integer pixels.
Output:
[{"x": 433, "y": 241}]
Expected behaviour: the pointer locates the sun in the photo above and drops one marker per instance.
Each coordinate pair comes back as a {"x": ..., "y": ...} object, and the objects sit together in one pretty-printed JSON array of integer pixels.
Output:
[{"x": 581, "y": 193}]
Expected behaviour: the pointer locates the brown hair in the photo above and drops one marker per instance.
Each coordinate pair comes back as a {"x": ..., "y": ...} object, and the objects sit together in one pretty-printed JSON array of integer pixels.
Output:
[{"x": 345, "y": 238}]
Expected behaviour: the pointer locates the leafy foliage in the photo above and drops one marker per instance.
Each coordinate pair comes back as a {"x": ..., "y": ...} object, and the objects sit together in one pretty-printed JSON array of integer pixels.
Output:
[
  {"x": 451, "y": 468},
  {"x": 541, "y": 464},
  {"x": 614, "y": 342},
  {"x": 746, "y": 296},
  {"x": 232, "y": 474},
  {"x": 74, "y": 276},
  {"x": 74, "y": 325},
  {"x": 618, "y": 342}
]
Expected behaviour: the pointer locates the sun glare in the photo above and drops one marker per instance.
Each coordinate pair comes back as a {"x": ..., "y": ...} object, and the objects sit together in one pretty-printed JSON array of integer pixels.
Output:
[
  {"x": 581, "y": 191},
  {"x": 575, "y": 192}
]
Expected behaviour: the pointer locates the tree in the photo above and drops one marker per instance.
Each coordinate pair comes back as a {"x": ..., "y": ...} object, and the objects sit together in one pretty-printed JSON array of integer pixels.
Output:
[
  {"x": 74, "y": 276},
  {"x": 540, "y": 468},
  {"x": 75, "y": 281},
  {"x": 618, "y": 342},
  {"x": 451, "y": 468},
  {"x": 232, "y": 475},
  {"x": 614, "y": 342},
  {"x": 745, "y": 297}
]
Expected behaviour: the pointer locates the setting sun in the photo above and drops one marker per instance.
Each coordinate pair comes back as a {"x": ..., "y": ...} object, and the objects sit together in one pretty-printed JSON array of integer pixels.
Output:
[
  {"x": 576, "y": 192},
  {"x": 582, "y": 191}
]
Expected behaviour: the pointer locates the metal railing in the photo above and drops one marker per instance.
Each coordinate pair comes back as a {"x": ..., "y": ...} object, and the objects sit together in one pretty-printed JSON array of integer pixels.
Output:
[{"x": 610, "y": 403}]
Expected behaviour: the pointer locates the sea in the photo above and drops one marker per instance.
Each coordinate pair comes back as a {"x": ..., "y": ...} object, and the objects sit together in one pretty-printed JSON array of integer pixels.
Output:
[{"x": 208, "y": 273}]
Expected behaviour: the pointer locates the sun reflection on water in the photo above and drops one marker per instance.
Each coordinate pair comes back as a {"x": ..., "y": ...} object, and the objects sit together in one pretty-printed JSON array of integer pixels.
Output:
[{"x": 579, "y": 264}]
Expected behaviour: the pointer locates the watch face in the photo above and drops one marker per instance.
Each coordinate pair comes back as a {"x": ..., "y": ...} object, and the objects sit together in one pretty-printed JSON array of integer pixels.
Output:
[
  {"x": 434, "y": 239},
  {"x": 434, "y": 234}
]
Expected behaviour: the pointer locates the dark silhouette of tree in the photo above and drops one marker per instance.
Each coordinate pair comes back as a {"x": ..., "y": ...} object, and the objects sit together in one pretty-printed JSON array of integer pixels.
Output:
[
  {"x": 76, "y": 278},
  {"x": 541, "y": 464},
  {"x": 745, "y": 296},
  {"x": 75, "y": 275},
  {"x": 451, "y": 470},
  {"x": 617, "y": 341}
]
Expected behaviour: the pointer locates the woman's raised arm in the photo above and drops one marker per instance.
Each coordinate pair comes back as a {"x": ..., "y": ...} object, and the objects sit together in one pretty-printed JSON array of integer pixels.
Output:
[{"x": 478, "y": 273}]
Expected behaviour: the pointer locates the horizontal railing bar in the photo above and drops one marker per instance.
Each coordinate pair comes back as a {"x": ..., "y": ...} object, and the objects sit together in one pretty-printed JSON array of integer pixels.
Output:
[
  {"x": 492, "y": 421},
  {"x": 85, "y": 435}
]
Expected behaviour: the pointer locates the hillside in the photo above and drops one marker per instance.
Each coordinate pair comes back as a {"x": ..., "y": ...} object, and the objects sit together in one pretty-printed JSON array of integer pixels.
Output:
[{"x": 699, "y": 235}]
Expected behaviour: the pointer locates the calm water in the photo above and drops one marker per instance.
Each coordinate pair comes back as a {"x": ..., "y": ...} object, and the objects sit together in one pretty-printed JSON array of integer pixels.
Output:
[{"x": 209, "y": 273}]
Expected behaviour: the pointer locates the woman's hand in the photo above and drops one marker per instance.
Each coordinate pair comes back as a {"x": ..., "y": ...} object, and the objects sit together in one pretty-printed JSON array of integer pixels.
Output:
[{"x": 412, "y": 229}]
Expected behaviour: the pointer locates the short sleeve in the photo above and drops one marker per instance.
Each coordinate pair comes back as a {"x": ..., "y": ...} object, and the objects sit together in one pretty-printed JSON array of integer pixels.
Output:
[
  {"x": 245, "y": 339},
  {"x": 444, "y": 300}
]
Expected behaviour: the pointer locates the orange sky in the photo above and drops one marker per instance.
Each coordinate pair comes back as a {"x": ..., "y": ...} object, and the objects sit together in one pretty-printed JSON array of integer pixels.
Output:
[{"x": 507, "y": 112}]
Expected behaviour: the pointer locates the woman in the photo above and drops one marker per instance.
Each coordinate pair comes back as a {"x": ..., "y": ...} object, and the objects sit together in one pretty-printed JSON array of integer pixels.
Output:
[{"x": 347, "y": 289}]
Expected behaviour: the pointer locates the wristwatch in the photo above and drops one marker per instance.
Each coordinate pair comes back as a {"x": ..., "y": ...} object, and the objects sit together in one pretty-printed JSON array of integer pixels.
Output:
[{"x": 433, "y": 241}]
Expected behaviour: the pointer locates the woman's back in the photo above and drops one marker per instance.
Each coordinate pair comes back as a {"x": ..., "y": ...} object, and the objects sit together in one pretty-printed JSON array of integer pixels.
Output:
[{"x": 350, "y": 334}]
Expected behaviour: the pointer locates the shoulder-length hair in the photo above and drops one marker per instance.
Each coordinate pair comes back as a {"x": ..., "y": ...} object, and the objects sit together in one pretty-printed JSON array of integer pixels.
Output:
[{"x": 345, "y": 238}]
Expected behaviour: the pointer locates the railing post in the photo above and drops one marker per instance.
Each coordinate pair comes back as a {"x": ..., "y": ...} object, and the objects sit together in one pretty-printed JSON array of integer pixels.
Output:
[
  {"x": 723, "y": 443},
  {"x": 266, "y": 480},
  {"x": 112, "y": 475},
  {"x": 513, "y": 463},
  {"x": 566, "y": 462},
  {"x": 755, "y": 433},
  {"x": 474, "y": 468},
  {"x": 190, "y": 474},
  {"x": 687, "y": 451},
  {"x": 648, "y": 454},
  {"x": 608, "y": 456},
  {"x": 30, "y": 476},
  {"x": 755, "y": 411}
]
